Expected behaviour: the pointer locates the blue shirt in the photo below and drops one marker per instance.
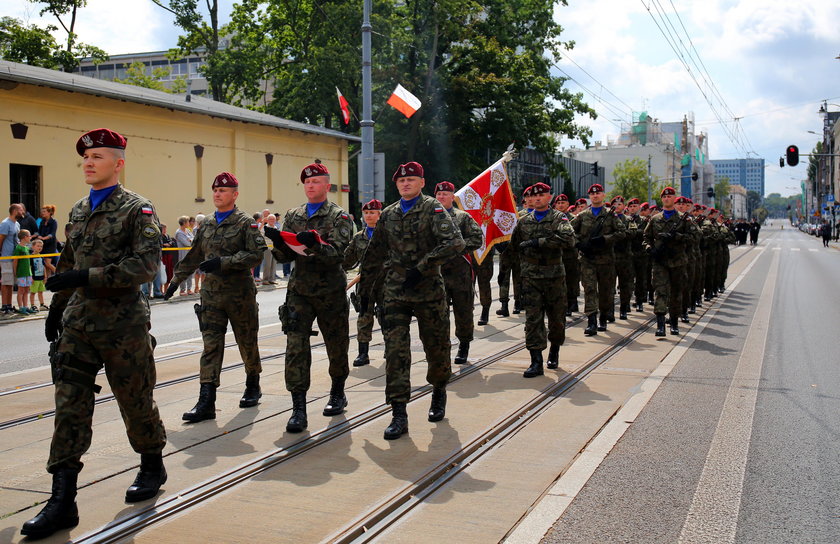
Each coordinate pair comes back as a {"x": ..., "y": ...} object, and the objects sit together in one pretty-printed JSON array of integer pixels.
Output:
[
  {"x": 368, "y": 232},
  {"x": 221, "y": 216},
  {"x": 98, "y": 196},
  {"x": 596, "y": 211},
  {"x": 312, "y": 208},
  {"x": 11, "y": 229},
  {"x": 667, "y": 214},
  {"x": 540, "y": 215},
  {"x": 406, "y": 205}
]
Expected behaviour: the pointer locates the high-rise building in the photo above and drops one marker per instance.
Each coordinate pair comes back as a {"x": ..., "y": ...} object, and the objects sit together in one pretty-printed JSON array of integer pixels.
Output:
[{"x": 748, "y": 173}]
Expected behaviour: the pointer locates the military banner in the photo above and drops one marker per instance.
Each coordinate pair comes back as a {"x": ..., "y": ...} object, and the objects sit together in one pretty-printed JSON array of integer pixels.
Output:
[{"x": 489, "y": 200}]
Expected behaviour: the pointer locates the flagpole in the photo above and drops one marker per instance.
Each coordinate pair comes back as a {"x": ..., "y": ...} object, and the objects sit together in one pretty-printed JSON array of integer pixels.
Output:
[{"x": 366, "y": 181}]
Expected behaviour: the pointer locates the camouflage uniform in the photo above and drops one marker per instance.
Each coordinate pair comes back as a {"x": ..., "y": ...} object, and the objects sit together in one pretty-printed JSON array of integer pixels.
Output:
[
  {"x": 543, "y": 276},
  {"x": 635, "y": 229},
  {"x": 483, "y": 275},
  {"x": 457, "y": 274},
  {"x": 624, "y": 266},
  {"x": 228, "y": 295},
  {"x": 424, "y": 238},
  {"x": 597, "y": 271},
  {"x": 107, "y": 324},
  {"x": 726, "y": 238},
  {"x": 572, "y": 269},
  {"x": 693, "y": 255},
  {"x": 317, "y": 290},
  {"x": 712, "y": 240},
  {"x": 669, "y": 260},
  {"x": 353, "y": 256},
  {"x": 509, "y": 266}
]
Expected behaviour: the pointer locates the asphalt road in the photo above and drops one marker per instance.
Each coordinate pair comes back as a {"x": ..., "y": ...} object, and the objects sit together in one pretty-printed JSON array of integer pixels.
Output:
[{"x": 649, "y": 487}]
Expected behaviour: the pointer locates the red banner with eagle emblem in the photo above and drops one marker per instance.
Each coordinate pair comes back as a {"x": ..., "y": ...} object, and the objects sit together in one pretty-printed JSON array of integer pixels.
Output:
[{"x": 489, "y": 200}]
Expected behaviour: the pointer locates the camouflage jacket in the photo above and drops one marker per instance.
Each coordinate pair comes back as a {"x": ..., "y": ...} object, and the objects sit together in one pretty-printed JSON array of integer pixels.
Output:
[
  {"x": 423, "y": 238},
  {"x": 695, "y": 238},
  {"x": 119, "y": 244},
  {"x": 354, "y": 254},
  {"x": 613, "y": 230},
  {"x": 237, "y": 240},
  {"x": 711, "y": 235},
  {"x": 473, "y": 239},
  {"x": 726, "y": 237},
  {"x": 635, "y": 233},
  {"x": 621, "y": 247},
  {"x": 670, "y": 253},
  {"x": 320, "y": 271},
  {"x": 553, "y": 234}
]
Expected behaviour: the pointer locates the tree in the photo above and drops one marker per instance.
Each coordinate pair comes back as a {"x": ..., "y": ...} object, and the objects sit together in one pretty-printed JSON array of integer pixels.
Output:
[
  {"x": 136, "y": 74},
  {"x": 753, "y": 202},
  {"x": 722, "y": 196},
  {"x": 68, "y": 58},
  {"x": 631, "y": 180},
  {"x": 28, "y": 44}
]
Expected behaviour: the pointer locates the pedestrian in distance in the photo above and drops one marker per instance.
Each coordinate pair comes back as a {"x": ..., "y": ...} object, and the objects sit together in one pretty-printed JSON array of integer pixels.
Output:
[
  {"x": 317, "y": 290},
  {"x": 416, "y": 237},
  {"x": 23, "y": 271},
  {"x": 9, "y": 229},
  {"x": 98, "y": 318},
  {"x": 226, "y": 247}
]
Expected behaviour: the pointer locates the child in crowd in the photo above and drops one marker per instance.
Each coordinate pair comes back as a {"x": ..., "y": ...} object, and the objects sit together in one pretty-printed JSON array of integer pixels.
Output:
[
  {"x": 39, "y": 268},
  {"x": 23, "y": 271}
]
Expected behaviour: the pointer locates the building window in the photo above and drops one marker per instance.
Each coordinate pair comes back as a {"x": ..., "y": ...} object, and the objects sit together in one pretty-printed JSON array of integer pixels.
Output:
[{"x": 25, "y": 186}]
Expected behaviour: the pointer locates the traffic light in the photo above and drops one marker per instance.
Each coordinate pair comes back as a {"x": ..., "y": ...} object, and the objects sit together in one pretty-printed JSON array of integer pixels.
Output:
[
  {"x": 595, "y": 169},
  {"x": 792, "y": 155},
  {"x": 781, "y": 162},
  {"x": 694, "y": 176},
  {"x": 710, "y": 192}
]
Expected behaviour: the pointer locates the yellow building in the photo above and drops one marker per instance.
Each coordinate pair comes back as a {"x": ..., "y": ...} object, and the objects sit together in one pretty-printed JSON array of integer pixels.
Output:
[{"x": 176, "y": 146}]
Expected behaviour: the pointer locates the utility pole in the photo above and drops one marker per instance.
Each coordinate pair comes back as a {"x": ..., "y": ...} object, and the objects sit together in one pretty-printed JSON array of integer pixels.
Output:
[
  {"x": 366, "y": 181},
  {"x": 649, "y": 181}
]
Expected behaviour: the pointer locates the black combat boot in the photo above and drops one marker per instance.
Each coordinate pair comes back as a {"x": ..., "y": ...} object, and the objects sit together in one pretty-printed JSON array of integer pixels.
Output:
[
  {"x": 517, "y": 306},
  {"x": 485, "y": 316},
  {"x": 610, "y": 316},
  {"x": 640, "y": 305},
  {"x": 602, "y": 322},
  {"x": 693, "y": 308},
  {"x": 503, "y": 311},
  {"x": 591, "y": 325},
  {"x": 438, "y": 408},
  {"x": 205, "y": 408},
  {"x": 575, "y": 307},
  {"x": 553, "y": 356},
  {"x": 684, "y": 317},
  {"x": 699, "y": 302},
  {"x": 675, "y": 326},
  {"x": 152, "y": 475},
  {"x": 622, "y": 311},
  {"x": 660, "y": 325},
  {"x": 297, "y": 423},
  {"x": 463, "y": 353},
  {"x": 536, "y": 368},
  {"x": 362, "y": 358},
  {"x": 338, "y": 400},
  {"x": 399, "y": 421},
  {"x": 569, "y": 309},
  {"x": 60, "y": 511},
  {"x": 252, "y": 394}
]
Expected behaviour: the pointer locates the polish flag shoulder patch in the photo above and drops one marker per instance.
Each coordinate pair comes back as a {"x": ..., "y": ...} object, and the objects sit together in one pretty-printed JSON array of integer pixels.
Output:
[
  {"x": 254, "y": 226},
  {"x": 147, "y": 210}
]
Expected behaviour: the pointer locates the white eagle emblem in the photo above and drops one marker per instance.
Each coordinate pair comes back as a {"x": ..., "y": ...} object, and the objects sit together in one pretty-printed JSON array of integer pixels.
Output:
[
  {"x": 403, "y": 171},
  {"x": 308, "y": 171},
  {"x": 87, "y": 140}
]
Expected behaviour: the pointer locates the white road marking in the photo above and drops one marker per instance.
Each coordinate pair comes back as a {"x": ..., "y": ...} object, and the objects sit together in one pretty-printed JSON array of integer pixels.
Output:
[
  {"x": 794, "y": 249},
  {"x": 713, "y": 515},
  {"x": 813, "y": 249},
  {"x": 777, "y": 248}
]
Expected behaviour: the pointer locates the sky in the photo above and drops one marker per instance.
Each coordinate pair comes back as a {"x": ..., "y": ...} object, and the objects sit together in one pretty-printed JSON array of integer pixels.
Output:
[{"x": 766, "y": 65}]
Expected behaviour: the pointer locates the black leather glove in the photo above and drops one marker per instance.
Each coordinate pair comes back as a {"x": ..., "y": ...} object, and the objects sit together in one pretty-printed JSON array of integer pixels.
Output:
[
  {"x": 274, "y": 236},
  {"x": 364, "y": 305},
  {"x": 412, "y": 278},
  {"x": 170, "y": 291},
  {"x": 666, "y": 236},
  {"x": 307, "y": 238},
  {"x": 52, "y": 325},
  {"x": 68, "y": 280},
  {"x": 598, "y": 241},
  {"x": 211, "y": 265},
  {"x": 529, "y": 243}
]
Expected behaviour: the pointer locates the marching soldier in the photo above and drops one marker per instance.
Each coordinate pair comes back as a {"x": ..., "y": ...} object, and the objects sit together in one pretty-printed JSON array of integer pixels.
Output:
[
  {"x": 508, "y": 267},
  {"x": 623, "y": 260},
  {"x": 726, "y": 238},
  {"x": 665, "y": 238},
  {"x": 692, "y": 243},
  {"x": 712, "y": 236},
  {"x": 112, "y": 248},
  {"x": 635, "y": 229},
  {"x": 353, "y": 256},
  {"x": 580, "y": 205},
  {"x": 700, "y": 266},
  {"x": 457, "y": 272},
  {"x": 415, "y": 236},
  {"x": 646, "y": 211},
  {"x": 316, "y": 291},
  {"x": 597, "y": 229},
  {"x": 227, "y": 246},
  {"x": 539, "y": 239},
  {"x": 570, "y": 260},
  {"x": 483, "y": 275}
]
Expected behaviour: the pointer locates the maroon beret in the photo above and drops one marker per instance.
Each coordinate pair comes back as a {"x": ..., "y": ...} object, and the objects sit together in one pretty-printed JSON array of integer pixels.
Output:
[
  {"x": 408, "y": 169},
  {"x": 540, "y": 188},
  {"x": 617, "y": 198},
  {"x": 372, "y": 205},
  {"x": 645, "y": 205},
  {"x": 712, "y": 210},
  {"x": 444, "y": 186},
  {"x": 562, "y": 197},
  {"x": 668, "y": 191},
  {"x": 632, "y": 201},
  {"x": 698, "y": 207},
  {"x": 596, "y": 188},
  {"x": 101, "y": 137},
  {"x": 529, "y": 191},
  {"x": 571, "y": 209},
  {"x": 313, "y": 170},
  {"x": 225, "y": 179},
  {"x": 681, "y": 200},
  {"x": 580, "y": 201}
]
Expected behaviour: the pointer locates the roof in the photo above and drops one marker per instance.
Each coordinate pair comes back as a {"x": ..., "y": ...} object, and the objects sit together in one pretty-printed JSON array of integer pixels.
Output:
[{"x": 54, "y": 79}]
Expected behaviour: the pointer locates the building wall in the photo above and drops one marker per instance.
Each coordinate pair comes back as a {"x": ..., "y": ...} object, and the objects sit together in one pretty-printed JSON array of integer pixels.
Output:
[
  {"x": 161, "y": 162},
  {"x": 747, "y": 173}
]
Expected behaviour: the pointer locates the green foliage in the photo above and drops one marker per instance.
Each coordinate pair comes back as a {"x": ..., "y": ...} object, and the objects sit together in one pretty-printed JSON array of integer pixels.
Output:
[
  {"x": 753, "y": 203},
  {"x": 27, "y": 44},
  {"x": 760, "y": 214},
  {"x": 66, "y": 12},
  {"x": 722, "y": 196},
  {"x": 777, "y": 205},
  {"x": 631, "y": 181},
  {"x": 137, "y": 74}
]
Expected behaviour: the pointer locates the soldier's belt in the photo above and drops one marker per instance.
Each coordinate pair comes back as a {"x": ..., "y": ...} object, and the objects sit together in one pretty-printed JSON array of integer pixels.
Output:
[
  {"x": 543, "y": 261},
  {"x": 107, "y": 292}
]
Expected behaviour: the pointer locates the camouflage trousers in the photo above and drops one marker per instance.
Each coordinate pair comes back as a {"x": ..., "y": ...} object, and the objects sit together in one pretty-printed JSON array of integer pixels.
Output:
[
  {"x": 699, "y": 276},
  {"x": 544, "y": 297},
  {"x": 668, "y": 283},
  {"x": 509, "y": 266},
  {"x": 711, "y": 272},
  {"x": 458, "y": 283},
  {"x": 483, "y": 275},
  {"x": 433, "y": 324},
  {"x": 598, "y": 287},
  {"x": 572, "y": 267},
  {"x": 240, "y": 309},
  {"x": 127, "y": 356},
  {"x": 333, "y": 314},
  {"x": 640, "y": 277},
  {"x": 364, "y": 323},
  {"x": 625, "y": 273},
  {"x": 687, "y": 285},
  {"x": 723, "y": 267}
]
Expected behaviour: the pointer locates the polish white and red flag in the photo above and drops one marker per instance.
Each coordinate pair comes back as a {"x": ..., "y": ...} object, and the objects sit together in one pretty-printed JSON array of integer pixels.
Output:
[
  {"x": 345, "y": 107},
  {"x": 403, "y": 101},
  {"x": 290, "y": 238},
  {"x": 489, "y": 200}
]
